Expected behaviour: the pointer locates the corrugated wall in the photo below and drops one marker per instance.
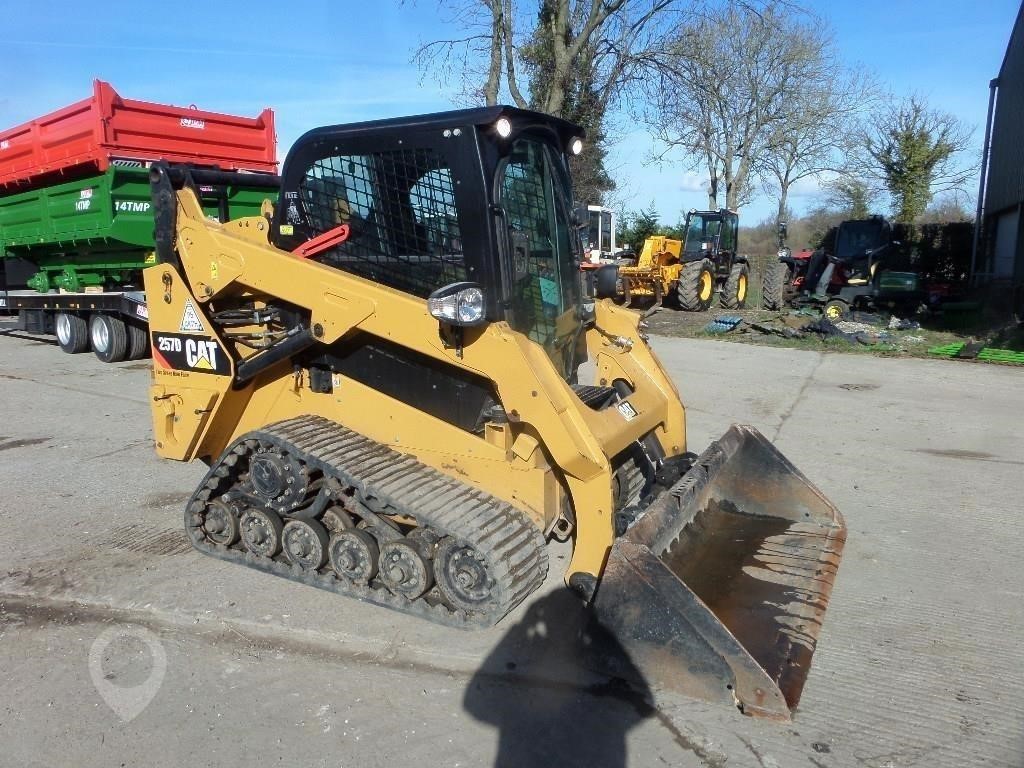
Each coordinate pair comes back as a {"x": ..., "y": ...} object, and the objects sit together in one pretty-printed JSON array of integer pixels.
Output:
[{"x": 1006, "y": 169}]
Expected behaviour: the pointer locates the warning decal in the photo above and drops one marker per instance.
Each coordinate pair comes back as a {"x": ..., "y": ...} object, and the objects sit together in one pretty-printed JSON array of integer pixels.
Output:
[
  {"x": 174, "y": 352},
  {"x": 190, "y": 322}
]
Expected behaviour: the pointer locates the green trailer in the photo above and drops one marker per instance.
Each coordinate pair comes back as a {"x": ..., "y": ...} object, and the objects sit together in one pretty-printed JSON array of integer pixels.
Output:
[{"x": 97, "y": 232}]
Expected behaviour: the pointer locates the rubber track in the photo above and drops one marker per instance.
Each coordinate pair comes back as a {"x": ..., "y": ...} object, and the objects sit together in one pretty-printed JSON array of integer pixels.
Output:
[{"x": 391, "y": 483}]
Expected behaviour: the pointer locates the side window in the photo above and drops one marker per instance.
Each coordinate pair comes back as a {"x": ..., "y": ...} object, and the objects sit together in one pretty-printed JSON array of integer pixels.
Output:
[
  {"x": 400, "y": 207},
  {"x": 728, "y": 241}
]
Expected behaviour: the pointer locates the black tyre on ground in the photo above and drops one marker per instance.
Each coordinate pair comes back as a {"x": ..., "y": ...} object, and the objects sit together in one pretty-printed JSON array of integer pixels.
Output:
[
  {"x": 773, "y": 286},
  {"x": 138, "y": 342},
  {"x": 109, "y": 338},
  {"x": 72, "y": 332},
  {"x": 696, "y": 286},
  {"x": 734, "y": 295}
]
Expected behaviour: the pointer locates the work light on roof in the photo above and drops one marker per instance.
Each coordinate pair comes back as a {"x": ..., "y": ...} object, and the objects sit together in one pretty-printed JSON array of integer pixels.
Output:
[
  {"x": 504, "y": 127},
  {"x": 576, "y": 146}
]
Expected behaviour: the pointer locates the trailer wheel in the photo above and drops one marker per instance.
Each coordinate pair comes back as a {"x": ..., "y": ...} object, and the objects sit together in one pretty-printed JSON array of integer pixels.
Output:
[
  {"x": 734, "y": 296},
  {"x": 696, "y": 286},
  {"x": 138, "y": 342},
  {"x": 109, "y": 338},
  {"x": 773, "y": 287},
  {"x": 72, "y": 333}
]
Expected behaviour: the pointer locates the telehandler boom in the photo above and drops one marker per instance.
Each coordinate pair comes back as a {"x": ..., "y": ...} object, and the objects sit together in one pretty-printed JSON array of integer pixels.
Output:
[{"x": 381, "y": 372}]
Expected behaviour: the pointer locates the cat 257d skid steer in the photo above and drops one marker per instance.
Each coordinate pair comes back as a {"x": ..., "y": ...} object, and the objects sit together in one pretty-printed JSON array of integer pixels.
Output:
[{"x": 381, "y": 372}]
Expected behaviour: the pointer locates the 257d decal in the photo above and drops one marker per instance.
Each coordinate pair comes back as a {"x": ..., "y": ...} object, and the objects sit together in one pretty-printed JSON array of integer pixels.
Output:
[{"x": 201, "y": 354}]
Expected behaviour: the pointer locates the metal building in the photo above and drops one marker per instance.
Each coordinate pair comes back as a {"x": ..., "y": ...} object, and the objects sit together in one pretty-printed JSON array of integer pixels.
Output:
[{"x": 1000, "y": 258}]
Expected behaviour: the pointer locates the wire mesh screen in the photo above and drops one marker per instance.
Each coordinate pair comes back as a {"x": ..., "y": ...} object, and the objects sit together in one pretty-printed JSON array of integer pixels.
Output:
[{"x": 400, "y": 207}]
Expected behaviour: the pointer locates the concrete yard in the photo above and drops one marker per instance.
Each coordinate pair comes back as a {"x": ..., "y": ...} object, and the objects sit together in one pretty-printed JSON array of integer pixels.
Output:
[{"x": 920, "y": 662}]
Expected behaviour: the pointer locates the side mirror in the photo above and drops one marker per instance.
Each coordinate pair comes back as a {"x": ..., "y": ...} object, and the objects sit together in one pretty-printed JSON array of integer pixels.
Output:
[
  {"x": 460, "y": 304},
  {"x": 580, "y": 215},
  {"x": 606, "y": 282}
]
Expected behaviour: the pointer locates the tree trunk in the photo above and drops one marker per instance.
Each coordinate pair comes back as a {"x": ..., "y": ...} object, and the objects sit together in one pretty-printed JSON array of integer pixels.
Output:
[
  {"x": 494, "y": 69},
  {"x": 713, "y": 192},
  {"x": 783, "y": 195}
]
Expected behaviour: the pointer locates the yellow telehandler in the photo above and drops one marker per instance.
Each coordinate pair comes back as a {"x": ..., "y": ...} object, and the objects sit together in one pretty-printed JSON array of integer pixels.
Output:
[
  {"x": 381, "y": 372},
  {"x": 690, "y": 272}
]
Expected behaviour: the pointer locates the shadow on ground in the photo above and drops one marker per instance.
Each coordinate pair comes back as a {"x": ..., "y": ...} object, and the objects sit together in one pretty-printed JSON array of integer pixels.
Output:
[{"x": 547, "y": 689}]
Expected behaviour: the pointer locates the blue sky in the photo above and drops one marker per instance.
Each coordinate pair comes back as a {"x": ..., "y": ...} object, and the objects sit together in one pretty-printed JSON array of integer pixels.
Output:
[{"x": 319, "y": 62}]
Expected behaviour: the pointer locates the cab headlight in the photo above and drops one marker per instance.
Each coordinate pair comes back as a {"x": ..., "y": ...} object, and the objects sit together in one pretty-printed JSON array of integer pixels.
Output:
[{"x": 458, "y": 304}]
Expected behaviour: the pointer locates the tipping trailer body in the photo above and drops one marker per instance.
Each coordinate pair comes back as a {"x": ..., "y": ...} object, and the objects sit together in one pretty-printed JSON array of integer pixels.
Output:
[{"x": 91, "y": 135}]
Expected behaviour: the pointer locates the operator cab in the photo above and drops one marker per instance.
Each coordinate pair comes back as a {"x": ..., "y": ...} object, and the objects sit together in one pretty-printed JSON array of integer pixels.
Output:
[
  {"x": 471, "y": 210},
  {"x": 709, "y": 233}
]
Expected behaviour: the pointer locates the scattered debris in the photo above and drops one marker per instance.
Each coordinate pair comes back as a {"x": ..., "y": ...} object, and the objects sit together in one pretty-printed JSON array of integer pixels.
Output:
[
  {"x": 970, "y": 350},
  {"x": 723, "y": 324},
  {"x": 898, "y": 324},
  {"x": 849, "y": 326}
]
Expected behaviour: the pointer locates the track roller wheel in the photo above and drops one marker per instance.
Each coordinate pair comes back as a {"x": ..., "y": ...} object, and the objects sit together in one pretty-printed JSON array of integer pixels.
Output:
[
  {"x": 404, "y": 570},
  {"x": 462, "y": 575},
  {"x": 261, "y": 532},
  {"x": 109, "y": 338},
  {"x": 72, "y": 333},
  {"x": 305, "y": 544},
  {"x": 354, "y": 555},
  {"x": 220, "y": 523}
]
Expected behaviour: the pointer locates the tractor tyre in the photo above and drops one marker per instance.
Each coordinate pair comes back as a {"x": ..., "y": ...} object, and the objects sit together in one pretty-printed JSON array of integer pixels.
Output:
[
  {"x": 734, "y": 295},
  {"x": 696, "y": 286},
  {"x": 72, "y": 332},
  {"x": 109, "y": 338},
  {"x": 773, "y": 286}
]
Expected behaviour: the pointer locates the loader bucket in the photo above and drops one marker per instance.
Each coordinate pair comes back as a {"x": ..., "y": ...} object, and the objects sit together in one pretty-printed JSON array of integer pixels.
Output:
[{"x": 719, "y": 589}]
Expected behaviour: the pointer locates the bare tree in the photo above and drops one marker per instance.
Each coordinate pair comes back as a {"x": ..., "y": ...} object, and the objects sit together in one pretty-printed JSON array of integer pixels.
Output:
[
  {"x": 912, "y": 149},
  {"x": 570, "y": 58},
  {"x": 726, "y": 101},
  {"x": 819, "y": 128}
]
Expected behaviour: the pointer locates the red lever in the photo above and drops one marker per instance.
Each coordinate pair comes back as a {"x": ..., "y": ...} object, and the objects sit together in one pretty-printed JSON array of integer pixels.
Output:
[{"x": 321, "y": 243}]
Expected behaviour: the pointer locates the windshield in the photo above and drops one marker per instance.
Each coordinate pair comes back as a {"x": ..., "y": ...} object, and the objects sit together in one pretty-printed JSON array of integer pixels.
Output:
[
  {"x": 855, "y": 237},
  {"x": 701, "y": 232},
  {"x": 545, "y": 284}
]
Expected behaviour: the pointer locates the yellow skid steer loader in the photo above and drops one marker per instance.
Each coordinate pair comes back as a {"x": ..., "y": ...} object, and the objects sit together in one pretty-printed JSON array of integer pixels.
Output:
[{"x": 381, "y": 372}]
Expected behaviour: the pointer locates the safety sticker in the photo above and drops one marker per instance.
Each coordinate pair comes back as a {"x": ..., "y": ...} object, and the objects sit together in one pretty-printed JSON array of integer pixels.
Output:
[
  {"x": 189, "y": 353},
  {"x": 190, "y": 322},
  {"x": 628, "y": 411}
]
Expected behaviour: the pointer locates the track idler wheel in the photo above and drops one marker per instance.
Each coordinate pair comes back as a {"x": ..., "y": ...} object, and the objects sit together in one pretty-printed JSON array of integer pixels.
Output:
[
  {"x": 261, "y": 532},
  {"x": 462, "y": 575},
  {"x": 305, "y": 544},
  {"x": 354, "y": 555},
  {"x": 404, "y": 570},
  {"x": 220, "y": 523}
]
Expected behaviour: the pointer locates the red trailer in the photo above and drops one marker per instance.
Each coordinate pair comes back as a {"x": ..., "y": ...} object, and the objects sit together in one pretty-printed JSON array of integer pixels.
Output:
[{"x": 88, "y": 136}]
